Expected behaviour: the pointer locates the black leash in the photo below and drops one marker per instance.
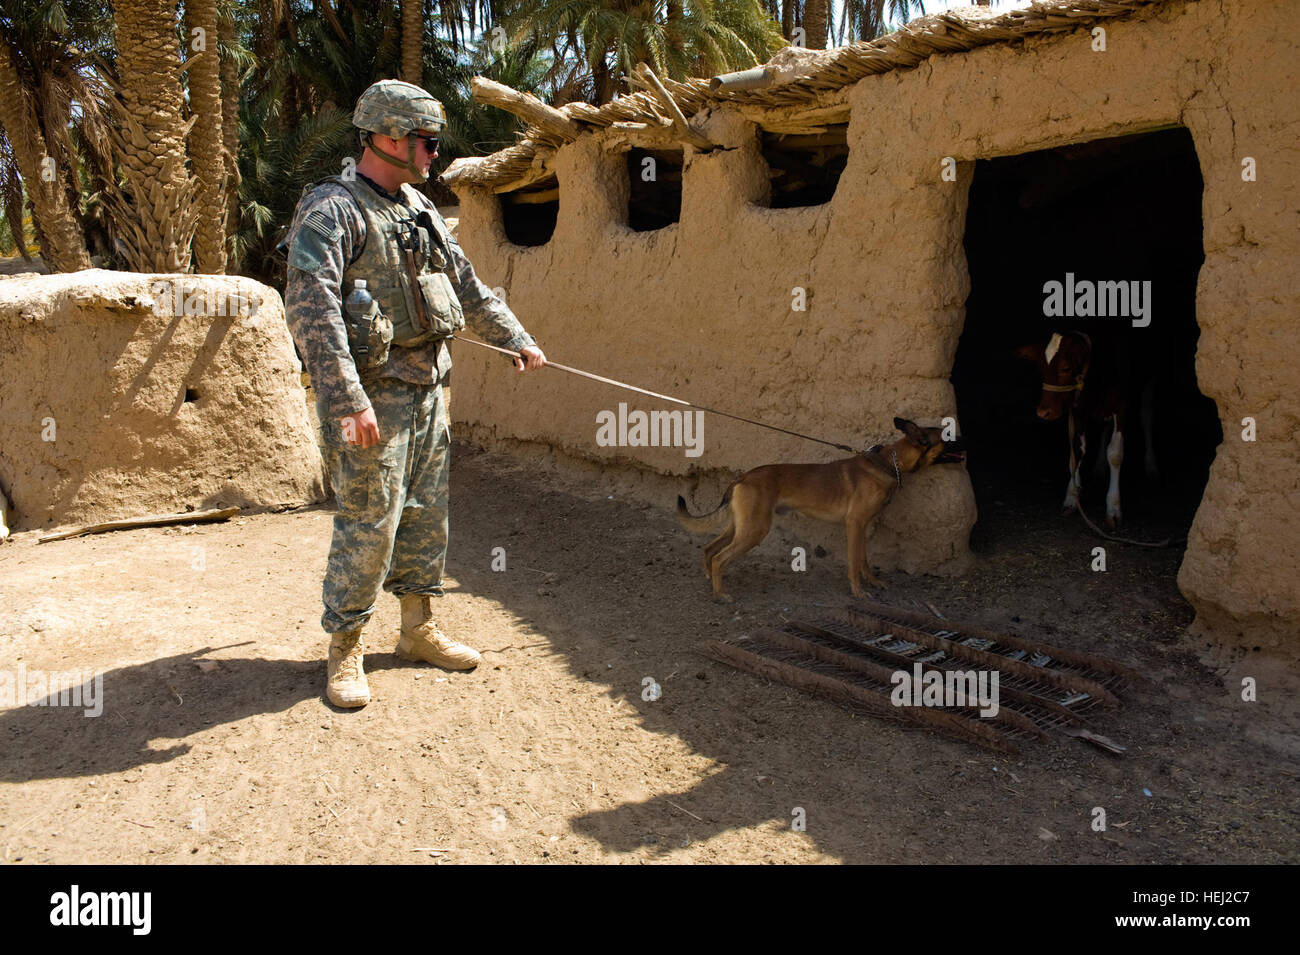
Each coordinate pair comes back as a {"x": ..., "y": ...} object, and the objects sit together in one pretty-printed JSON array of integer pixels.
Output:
[{"x": 654, "y": 394}]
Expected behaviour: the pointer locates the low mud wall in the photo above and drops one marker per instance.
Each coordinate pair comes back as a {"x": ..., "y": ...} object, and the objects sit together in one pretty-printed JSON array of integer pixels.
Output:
[{"x": 124, "y": 394}]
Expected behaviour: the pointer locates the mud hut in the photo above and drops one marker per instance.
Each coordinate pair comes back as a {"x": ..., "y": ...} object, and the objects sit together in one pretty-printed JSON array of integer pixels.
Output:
[{"x": 843, "y": 236}]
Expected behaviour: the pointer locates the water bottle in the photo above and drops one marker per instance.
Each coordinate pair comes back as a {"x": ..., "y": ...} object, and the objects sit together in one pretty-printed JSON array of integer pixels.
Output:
[
  {"x": 369, "y": 331},
  {"x": 359, "y": 303}
]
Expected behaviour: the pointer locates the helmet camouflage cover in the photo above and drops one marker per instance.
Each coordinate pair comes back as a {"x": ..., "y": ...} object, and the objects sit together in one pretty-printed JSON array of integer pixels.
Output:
[{"x": 396, "y": 109}]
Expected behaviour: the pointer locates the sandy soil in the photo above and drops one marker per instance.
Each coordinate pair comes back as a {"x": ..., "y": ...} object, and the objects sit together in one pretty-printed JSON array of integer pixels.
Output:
[{"x": 215, "y": 744}]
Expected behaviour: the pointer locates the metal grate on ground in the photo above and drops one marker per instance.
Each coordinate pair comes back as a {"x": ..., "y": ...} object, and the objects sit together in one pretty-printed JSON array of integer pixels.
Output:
[{"x": 853, "y": 656}]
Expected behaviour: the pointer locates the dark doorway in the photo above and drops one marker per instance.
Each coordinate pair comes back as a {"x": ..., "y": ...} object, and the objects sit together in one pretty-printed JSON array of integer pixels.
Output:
[{"x": 1125, "y": 209}]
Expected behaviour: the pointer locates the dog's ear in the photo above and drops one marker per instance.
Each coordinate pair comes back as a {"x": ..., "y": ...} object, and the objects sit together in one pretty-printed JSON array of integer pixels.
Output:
[
  {"x": 913, "y": 431},
  {"x": 1034, "y": 353}
]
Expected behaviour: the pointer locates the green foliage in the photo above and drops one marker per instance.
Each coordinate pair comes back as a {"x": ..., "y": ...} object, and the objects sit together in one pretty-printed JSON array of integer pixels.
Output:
[
  {"x": 303, "y": 63},
  {"x": 295, "y": 116},
  {"x": 275, "y": 168},
  {"x": 677, "y": 40}
]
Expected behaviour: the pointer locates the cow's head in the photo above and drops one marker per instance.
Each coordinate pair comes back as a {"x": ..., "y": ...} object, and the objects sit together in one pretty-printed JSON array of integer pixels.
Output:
[{"x": 1062, "y": 364}]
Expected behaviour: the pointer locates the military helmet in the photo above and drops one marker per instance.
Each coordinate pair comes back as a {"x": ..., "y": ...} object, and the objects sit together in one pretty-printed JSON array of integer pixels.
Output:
[{"x": 394, "y": 108}]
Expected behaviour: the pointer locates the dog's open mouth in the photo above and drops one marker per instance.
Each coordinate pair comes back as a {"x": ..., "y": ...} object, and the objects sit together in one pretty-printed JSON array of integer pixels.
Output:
[{"x": 951, "y": 457}]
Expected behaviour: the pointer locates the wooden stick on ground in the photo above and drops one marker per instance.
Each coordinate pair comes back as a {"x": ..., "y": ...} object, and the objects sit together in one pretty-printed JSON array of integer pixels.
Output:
[{"x": 153, "y": 520}]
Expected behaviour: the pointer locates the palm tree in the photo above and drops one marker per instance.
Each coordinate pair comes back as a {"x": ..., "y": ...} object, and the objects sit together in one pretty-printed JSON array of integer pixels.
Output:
[
  {"x": 231, "y": 56},
  {"x": 814, "y": 24},
  {"x": 612, "y": 36},
  {"x": 45, "y": 51},
  {"x": 63, "y": 245},
  {"x": 206, "y": 143},
  {"x": 412, "y": 41},
  {"x": 473, "y": 129},
  {"x": 869, "y": 19},
  {"x": 154, "y": 211}
]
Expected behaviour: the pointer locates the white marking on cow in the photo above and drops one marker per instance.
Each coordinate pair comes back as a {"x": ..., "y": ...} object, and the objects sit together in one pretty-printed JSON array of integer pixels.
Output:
[
  {"x": 1115, "y": 455},
  {"x": 1053, "y": 346},
  {"x": 1071, "y": 493}
]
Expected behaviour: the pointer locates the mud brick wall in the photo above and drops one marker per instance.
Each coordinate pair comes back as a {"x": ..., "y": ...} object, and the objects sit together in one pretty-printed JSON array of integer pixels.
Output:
[{"x": 702, "y": 308}]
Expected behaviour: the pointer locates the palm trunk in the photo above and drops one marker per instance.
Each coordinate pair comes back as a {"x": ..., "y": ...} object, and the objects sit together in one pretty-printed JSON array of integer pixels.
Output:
[
  {"x": 62, "y": 244},
  {"x": 787, "y": 18},
  {"x": 413, "y": 41},
  {"x": 206, "y": 143},
  {"x": 230, "y": 122},
  {"x": 602, "y": 81},
  {"x": 154, "y": 216},
  {"x": 814, "y": 23}
]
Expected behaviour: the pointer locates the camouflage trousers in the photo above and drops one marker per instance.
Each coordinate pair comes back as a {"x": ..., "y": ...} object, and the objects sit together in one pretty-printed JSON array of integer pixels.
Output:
[{"x": 390, "y": 530}]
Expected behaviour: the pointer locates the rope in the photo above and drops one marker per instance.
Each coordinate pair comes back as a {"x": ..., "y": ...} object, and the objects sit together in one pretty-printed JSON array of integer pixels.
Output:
[
  {"x": 654, "y": 394},
  {"x": 798, "y": 434}
]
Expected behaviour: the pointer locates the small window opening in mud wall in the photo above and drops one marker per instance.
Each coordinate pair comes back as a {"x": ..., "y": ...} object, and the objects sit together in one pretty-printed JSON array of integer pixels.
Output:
[
  {"x": 1124, "y": 210},
  {"x": 805, "y": 168},
  {"x": 655, "y": 188},
  {"x": 529, "y": 214}
]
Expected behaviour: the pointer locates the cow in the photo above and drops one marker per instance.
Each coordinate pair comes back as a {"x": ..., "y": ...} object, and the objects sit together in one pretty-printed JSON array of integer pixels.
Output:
[{"x": 1085, "y": 384}]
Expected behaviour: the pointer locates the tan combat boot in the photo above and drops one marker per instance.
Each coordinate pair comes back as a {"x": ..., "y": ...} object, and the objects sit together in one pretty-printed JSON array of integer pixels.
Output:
[
  {"x": 345, "y": 684},
  {"x": 422, "y": 640}
]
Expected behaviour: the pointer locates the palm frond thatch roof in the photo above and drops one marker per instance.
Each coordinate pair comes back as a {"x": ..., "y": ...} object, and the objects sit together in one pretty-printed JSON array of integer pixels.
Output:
[{"x": 811, "y": 80}]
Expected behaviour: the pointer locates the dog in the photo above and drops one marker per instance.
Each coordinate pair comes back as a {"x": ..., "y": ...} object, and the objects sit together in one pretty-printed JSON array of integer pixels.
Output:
[{"x": 853, "y": 490}]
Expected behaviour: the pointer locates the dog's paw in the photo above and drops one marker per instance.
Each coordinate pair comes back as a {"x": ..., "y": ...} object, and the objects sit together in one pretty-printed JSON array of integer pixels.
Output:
[
  {"x": 1069, "y": 511},
  {"x": 723, "y": 599},
  {"x": 871, "y": 580},
  {"x": 1113, "y": 522}
]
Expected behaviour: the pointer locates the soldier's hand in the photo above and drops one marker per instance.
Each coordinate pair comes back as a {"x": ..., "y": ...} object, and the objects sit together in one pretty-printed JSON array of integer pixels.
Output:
[
  {"x": 532, "y": 358},
  {"x": 361, "y": 428}
]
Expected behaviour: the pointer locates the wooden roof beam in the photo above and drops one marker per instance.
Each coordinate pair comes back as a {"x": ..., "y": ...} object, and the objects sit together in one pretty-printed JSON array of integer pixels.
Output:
[{"x": 526, "y": 106}]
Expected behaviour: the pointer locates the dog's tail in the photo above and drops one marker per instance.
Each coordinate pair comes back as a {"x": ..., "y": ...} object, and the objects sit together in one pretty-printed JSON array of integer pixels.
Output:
[{"x": 709, "y": 523}]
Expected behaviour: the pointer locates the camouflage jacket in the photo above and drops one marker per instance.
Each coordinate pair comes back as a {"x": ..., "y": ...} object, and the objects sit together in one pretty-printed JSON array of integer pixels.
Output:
[{"x": 313, "y": 305}]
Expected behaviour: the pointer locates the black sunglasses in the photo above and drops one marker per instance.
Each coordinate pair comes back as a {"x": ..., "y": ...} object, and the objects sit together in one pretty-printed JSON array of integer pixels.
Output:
[{"x": 430, "y": 142}]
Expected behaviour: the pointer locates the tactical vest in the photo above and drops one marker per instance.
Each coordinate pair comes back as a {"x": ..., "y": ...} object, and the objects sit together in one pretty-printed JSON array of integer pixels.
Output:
[{"x": 391, "y": 228}]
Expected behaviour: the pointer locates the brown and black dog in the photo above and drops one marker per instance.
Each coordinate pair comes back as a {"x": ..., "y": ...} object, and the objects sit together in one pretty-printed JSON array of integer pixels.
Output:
[{"x": 853, "y": 490}]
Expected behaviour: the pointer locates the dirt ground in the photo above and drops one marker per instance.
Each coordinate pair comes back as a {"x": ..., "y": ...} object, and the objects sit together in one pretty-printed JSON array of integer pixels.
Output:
[{"x": 215, "y": 744}]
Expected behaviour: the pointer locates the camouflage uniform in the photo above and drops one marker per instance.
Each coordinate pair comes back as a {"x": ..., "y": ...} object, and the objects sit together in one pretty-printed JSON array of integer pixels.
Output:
[{"x": 391, "y": 525}]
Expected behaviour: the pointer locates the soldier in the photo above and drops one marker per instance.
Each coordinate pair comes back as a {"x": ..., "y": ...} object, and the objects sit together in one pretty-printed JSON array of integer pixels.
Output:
[{"x": 377, "y": 371}]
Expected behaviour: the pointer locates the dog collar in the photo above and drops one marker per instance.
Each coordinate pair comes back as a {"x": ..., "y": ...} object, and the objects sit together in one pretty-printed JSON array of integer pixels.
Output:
[{"x": 898, "y": 473}]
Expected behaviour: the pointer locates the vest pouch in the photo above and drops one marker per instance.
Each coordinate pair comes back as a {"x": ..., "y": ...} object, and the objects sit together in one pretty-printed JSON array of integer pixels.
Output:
[
  {"x": 441, "y": 304},
  {"x": 369, "y": 338},
  {"x": 407, "y": 332}
]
